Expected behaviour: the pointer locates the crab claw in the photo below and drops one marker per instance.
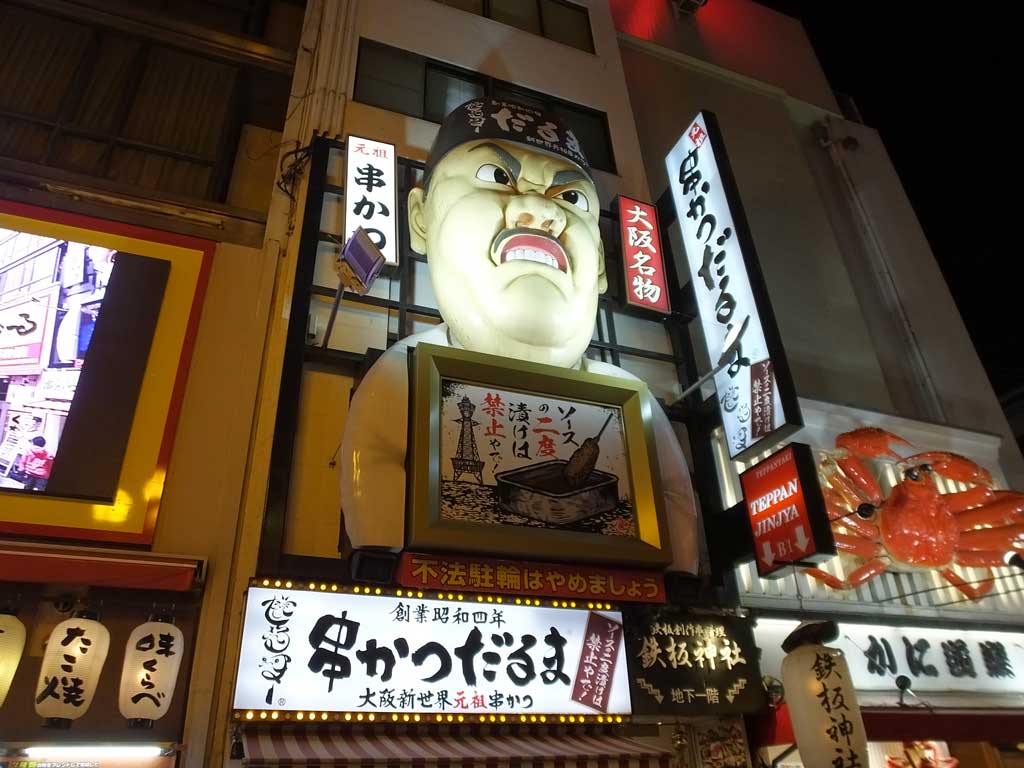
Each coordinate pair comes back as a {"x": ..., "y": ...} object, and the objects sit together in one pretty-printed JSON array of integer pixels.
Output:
[
  {"x": 953, "y": 466},
  {"x": 866, "y": 442},
  {"x": 870, "y": 443}
]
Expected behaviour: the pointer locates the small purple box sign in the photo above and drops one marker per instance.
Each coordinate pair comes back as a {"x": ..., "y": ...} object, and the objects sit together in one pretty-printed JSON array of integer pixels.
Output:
[{"x": 359, "y": 262}]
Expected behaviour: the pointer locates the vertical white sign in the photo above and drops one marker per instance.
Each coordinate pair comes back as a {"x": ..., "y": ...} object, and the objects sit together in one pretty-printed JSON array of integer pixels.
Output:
[
  {"x": 747, "y": 387},
  {"x": 371, "y": 193}
]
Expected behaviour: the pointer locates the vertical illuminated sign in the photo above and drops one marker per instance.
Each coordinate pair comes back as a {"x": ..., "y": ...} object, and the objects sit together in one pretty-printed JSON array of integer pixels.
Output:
[
  {"x": 643, "y": 263},
  {"x": 371, "y": 193},
  {"x": 786, "y": 510},
  {"x": 755, "y": 391}
]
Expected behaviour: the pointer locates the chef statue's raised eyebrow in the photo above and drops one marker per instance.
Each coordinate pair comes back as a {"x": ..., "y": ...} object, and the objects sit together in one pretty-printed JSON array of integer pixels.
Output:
[
  {"x": 513, "y": 165},
  {"x": 567, "y": 177}
]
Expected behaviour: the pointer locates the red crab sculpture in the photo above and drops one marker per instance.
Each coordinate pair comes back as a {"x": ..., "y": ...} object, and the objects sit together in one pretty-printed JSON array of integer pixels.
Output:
[{"x": 916, "y": 527}]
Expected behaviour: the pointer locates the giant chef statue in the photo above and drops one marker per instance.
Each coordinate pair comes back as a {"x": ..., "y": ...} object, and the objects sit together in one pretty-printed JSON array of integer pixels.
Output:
[{"x": 508, "y": 218}]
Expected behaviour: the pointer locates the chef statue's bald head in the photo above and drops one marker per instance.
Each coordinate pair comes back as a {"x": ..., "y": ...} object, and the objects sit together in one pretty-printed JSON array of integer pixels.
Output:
[{"x": 508, "y": 219}]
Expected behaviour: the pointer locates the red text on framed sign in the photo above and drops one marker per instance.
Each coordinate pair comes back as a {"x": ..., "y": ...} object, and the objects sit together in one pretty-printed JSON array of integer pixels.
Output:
[
  {"x": 518, "y": 578},
  {"x": 643, "y": 264},
  {"x": 786, "y": 510}
]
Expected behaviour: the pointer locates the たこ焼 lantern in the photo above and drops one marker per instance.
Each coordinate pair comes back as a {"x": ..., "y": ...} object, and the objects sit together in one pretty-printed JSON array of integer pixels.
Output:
[
  {"x": 152, "y": 657},
  {"x": 75, "y": 652},
  {"x": 12, "y": 643}
]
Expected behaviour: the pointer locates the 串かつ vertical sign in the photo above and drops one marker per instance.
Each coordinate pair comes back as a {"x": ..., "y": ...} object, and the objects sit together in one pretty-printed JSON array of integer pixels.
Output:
[
  {"x": 371, "y": 193},
  {"x": 756, "y": 397}
]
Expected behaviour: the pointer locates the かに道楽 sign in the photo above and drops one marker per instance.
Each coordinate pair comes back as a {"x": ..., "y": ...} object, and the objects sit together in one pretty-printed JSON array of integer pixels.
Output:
[
  {"x": 343, "y": 652},
  {"x": 786, "y": 510},
  {"x": 756, "y": 397},
  {"x": 643, "y": 264}
]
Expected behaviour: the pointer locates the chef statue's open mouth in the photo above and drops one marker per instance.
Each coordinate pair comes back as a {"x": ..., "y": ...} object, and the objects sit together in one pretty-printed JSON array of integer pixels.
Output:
[
  {"x": 521, "y": 244},
  {"x": 507, "y": 215}
]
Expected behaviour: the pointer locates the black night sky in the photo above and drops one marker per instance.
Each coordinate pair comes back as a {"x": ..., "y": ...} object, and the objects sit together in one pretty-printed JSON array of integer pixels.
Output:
[{"x": 933, "y": 81}]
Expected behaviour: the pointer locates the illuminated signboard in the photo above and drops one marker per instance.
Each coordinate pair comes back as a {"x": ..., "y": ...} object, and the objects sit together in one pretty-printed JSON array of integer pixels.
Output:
[
  {"x": 755, "y": 391},
  {"x": 370, "y": 193},
  {"x": 643, "y": 263},
  {"x": 686, "y": 664},
  {"x": 974, "y": 661},
  {"x": 786, "y": 510},
  {"x": 354, "y": 653},
  {"x": 96, "y": 327}
]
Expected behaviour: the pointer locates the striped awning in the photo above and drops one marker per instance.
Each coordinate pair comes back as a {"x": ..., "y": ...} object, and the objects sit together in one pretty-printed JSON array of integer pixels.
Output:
[{"x": 429, "y": 746}]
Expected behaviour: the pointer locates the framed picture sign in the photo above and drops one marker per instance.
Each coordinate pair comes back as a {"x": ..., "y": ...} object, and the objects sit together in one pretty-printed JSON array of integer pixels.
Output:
[{"x": 526, "y": 460}]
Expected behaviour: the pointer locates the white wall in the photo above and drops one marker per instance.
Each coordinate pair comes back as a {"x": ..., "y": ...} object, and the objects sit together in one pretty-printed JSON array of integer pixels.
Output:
[{"x": 827, "y": 342}]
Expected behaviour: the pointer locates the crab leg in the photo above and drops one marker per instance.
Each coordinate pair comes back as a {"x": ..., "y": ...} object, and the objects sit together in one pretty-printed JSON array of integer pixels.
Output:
[
  {"x": 856, "y": 545},
  {"x": 1006, "y": 537},
  {"x": 850, "y": 493},
  {"x": 858, "y": 576},
  {"x": 970, "y": 590},
  {"x": 840, "y": 515},
  {"x": 862, "y": 478},
  {"x": 969, "y": 499},
  {"x": 980, "y": 559},
  {"x": 1003, "y": 511}
]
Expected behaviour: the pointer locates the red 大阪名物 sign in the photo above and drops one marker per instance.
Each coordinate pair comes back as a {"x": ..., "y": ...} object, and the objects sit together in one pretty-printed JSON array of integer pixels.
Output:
[
  {"x": 786, "y": 510},
  {"x": 643, "y": 263}
]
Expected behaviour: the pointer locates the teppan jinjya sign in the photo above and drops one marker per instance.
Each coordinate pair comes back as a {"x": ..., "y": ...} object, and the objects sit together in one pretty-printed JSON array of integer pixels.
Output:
[
  {"x": 692, "y": 664},
  {"x": 786, "y": 509}
]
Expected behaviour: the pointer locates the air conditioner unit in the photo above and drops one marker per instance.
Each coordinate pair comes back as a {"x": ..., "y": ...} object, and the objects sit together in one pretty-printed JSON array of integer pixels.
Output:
[{"x": 687, "y": 7}]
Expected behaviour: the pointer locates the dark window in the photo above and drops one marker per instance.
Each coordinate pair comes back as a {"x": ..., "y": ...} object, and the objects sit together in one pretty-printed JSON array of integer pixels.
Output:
[
  {"x": 558, "y": 20},
  {"x": 567, "y": 23},
  {"x": 521, "y": 14},
  {"x": 390, "y": 78},
  {"x": 405, "y": 82},
  {"x": 447, "y": 89}
]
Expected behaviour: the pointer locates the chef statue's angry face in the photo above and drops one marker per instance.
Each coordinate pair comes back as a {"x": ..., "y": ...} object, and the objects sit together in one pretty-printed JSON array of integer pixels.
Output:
[{"x": 511, "y": 236}]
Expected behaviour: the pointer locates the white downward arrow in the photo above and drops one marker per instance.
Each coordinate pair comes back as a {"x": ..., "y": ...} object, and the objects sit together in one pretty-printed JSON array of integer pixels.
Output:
[
  {"x": 801, "y": 539},
  {"x": 769, "y": 553}
]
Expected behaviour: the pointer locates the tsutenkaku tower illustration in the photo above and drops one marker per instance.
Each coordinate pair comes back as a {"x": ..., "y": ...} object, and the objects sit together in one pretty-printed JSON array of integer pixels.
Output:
[{"x": 466, "y": 459}]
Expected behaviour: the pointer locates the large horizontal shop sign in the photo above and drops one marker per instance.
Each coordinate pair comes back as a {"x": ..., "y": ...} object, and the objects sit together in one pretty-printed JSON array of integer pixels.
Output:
[
  {"x": 341, "y": 652},
  {"x": 755, "y": 390},
  {"x": 978, "y": 661},
  {"x": 687, "y": 664},
  {"x": 579, "y": 583}
]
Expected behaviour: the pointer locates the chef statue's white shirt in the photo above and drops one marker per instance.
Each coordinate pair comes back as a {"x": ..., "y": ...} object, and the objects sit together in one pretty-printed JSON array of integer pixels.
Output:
[{"x": 373, "y": 452}]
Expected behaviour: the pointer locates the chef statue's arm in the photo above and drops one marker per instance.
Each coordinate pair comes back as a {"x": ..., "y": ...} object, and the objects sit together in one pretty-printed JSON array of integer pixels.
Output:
[
  {"x": 684, "y": 526},
  {"x": 373, "y": 454}
]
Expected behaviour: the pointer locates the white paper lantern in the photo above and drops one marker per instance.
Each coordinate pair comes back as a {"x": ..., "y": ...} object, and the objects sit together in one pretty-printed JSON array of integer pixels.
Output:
[
  {"x": 71, "y": 668},
  {"x": 12, "y": 643},
  {"x": 152, "y": 657},
  {"x": 823, "y": 708}
]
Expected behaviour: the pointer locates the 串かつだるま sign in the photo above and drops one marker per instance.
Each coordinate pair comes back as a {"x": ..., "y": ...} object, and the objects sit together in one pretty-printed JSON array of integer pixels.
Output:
[
  {"x": 342, "y": 652},
  {"x": 756, "y": 397}
]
